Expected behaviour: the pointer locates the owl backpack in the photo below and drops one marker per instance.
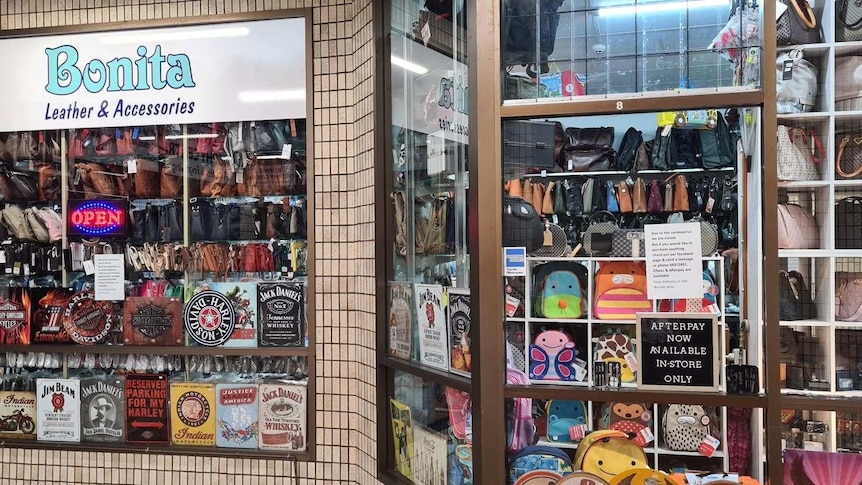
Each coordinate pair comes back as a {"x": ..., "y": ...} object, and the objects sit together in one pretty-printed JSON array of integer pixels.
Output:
[
  {"x": 685, "y": 426},
  {"x": 621, "y": 290}
]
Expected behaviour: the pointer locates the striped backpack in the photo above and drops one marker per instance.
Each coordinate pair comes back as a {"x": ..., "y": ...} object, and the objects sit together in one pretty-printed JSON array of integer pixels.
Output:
[{"x": 621, "y": 290}]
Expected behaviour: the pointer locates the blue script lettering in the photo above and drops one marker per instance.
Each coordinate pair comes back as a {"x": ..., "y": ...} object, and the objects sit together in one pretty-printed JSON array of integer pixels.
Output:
[{"x": 119, "y": 74}]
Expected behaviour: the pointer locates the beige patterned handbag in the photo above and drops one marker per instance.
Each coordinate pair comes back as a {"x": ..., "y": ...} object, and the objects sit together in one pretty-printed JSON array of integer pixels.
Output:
[
  {"x": 796, "y": 158},
  {"x": 797, "y": 228}
]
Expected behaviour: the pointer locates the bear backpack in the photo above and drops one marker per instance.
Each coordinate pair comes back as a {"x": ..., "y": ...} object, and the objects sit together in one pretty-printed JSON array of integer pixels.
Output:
[
  {"x": 552, "y": 357},
  {"x": 558, "y": 287},
  {"x": 615, "y": 346},
  {"x": 607, "y": 453},
  {"x": 621, "y": 290},
  {"x": 567, "y": 420},
  {"x": 685, "y": 426}
]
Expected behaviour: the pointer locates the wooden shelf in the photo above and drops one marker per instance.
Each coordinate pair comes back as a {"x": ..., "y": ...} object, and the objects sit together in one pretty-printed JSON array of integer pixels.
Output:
[
  {"x": 157, "y": 350},
  {"x": 636, "y": 395},
  {"x": 427, "y": 373},
  {"x": 156, "y": 449}
]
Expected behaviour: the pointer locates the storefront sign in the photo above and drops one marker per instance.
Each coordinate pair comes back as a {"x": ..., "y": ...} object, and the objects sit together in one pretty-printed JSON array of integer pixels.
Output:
[
  {"x": 674, "y": 262},
  {"x": 678, "y": 351},
  {"x": 110, "y": 277},
  {"x": 97, "y": 218},
  {"x": 224, "y": 72}
]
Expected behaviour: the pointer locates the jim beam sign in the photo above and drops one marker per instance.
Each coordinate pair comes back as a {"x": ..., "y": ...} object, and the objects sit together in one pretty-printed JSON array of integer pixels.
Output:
[
  {"x": 18, "y": 415},
  {"x": 103, "y": 409},
  {"x": 193, "y": 414},
  {"x": 86, "y": 320},
  {"x": 58, "y": 410},
  {"x": 281, "y": 314},
  {"x": 153, "y": 321},
  {"x": 147, "y": 408},
  {"x": 236, "y": 415},
  {"x": 282, "y": 416},
  {"x": 210, "y": 318}
]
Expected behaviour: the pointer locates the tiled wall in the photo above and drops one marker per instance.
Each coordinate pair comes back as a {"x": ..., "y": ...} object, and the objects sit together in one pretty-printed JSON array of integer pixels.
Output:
[{"x": 344, "y": 157}]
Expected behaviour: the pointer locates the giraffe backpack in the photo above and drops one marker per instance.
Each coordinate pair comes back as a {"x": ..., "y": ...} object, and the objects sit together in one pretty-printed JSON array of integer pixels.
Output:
[{"x": 615, "y": 346}]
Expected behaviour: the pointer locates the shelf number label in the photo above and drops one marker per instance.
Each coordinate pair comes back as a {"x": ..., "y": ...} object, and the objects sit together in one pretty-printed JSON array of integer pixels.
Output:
[{"x": 619, "y": 105}]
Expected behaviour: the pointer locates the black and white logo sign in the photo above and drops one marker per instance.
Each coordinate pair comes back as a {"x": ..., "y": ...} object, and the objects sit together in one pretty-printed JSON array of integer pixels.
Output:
[{"x": 210, "y": 318}]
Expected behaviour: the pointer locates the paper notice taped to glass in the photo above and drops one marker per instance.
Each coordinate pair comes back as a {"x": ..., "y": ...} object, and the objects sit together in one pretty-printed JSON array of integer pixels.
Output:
[{"x": 674, "y": 262}]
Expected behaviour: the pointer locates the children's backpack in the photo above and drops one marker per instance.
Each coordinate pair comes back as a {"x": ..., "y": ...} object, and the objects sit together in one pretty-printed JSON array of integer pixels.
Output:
[
  {"x": 621, "y": 290},
  {"x": 685, "y": 426},
  {"x": 537, "y": 457},
  {"x": 643, "y": 476},
  {"x": 552, "y": 357},
  {"x": 520, "y": 428},
  {"x": 607, "y": 453},
  {"x": 567, "y": 420},
  {"x": 633, "y": 419},
  {"x": 581, "y": 478},
  {"x": 559, "y": 290},
  {"x": 616, "y": 346},
  {"x": 706, "y": 304}
]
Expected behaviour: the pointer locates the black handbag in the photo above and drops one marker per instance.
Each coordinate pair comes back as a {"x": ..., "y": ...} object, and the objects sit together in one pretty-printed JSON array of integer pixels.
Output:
[
  {"x": 522, "y": 226},
  {"x": 848, "y": 223},
  {"x": 797, "y": 25},
  {"x": 247, "y": 227},
  {"x": 139, "y": 223},
  {"x": 849, "y": 25},
  {"x": 201, "y": 221}
]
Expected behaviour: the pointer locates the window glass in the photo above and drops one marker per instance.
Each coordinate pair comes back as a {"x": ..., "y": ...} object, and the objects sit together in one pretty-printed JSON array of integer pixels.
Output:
[{"x": 595, "y": 47}]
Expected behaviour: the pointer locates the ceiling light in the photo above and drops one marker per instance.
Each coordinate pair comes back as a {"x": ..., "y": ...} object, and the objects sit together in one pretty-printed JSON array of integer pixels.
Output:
[
  {"x": 162, "y": 35},
  {"x": 410, "y": 66},
  {"x": 267, "y": 96},
  {"x": 644, "y": 8}
]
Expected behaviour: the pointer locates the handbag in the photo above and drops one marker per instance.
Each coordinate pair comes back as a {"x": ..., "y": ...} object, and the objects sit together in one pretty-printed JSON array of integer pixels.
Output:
[
  {"x": 21, "y": 146},
  {"x": 574, "y": 197},
  {"x": 200, "y": 221},
  {"x": 613, "y": 205},
  {"x": 849, "y": 25},
  {"x": 655, "y": 203},
  {"x": 171, "y": 179},
  {"x": 548, "y": 200},
  {"x": 47, "y": 148},
  {"x": 639, "y": 197},
  {"x": 146, "y": 179},
  {"x": 36, "y": 224},
  {"x": 848, "y": 297},
  {"x": 796, "y": 161},
  {"x": 48, "y": 181},
  {"x": 709, "y": 237},
  {"x": 848, "y": 223},
  {"x": 23, "y": 185},
  {"x": 53, "y": 222},
  {"x": 796, "y": 79},
  {"x": 668, "y": 197},
  {"x": 628, "y": 243},
  {"x": 848, "y": 162},
  {"x": 624, "y": 198},
  {"x": 97, "y": 181},
  {"x": 797, "y": 228},
  {"x": 680, "y": 194},
  {"x": 598, "y": 237},
  {"x": 797, "y": 25},
  {"x": 15, "y": 221}
]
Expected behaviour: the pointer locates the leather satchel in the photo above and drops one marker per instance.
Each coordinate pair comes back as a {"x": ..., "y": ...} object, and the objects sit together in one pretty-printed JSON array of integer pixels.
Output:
[
  {"x": 49, "y": 182},
  {"x": 624, "y": 197},
  {"x": 680, "y": 194},
  {"x": 171, "y": 180},
  {"x": 147, "y": 179},
  {"x": 848, "y": 297},
  {"x": 849, "y": 25},
  {"x": 16, "y": 223},
  {"x": 23, "y": 185},
  {"x": 639, "y": 197},
  {"x": 848, "y": 163},
  {"x": 97, "y": 181},
  {"x": 590, "y": 138},
  {"x": 797, "y": 25},
  {"x": 797, "y": 228}
]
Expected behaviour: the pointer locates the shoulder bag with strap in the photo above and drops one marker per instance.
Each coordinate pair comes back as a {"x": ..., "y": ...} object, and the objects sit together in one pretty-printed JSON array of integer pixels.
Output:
[{"x": 796, "y": 160}]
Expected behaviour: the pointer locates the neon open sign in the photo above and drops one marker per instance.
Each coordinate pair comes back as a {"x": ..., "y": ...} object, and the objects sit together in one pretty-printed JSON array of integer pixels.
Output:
[{"x": 97, "y": 218}]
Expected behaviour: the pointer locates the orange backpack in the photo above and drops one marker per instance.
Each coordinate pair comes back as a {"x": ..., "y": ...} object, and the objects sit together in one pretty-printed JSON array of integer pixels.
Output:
[{"x": 621, "y": 290}]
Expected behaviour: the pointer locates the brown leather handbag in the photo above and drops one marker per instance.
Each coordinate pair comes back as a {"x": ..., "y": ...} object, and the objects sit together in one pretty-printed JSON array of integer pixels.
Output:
[
  {"x": 548, "y": 200},
  {"x": 125, "y": 142},
  {"x": 224, "y": 180},
  {"x": 49, "y": 182},
  {"x": 639, "y": 197},
  {"x": 172, "y": 178},
  {"x": 538, "y": 195},
  {"x": 97, "y": 181},
  {"x": 680, "y": 193},
  {"x": 147, "y": 179},
  {"x": 624, "y": 198}
]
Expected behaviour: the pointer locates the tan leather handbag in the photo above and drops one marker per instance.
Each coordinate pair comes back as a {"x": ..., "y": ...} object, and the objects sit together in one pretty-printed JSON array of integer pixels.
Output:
[
  {"x": 538, "y": 195},
  {"x": 171, "y": 180},
  {"x": 624, "y": 197},
  {"x": 639, "y": 197},
  {"x": 548, "y": 200},
  {"x": 147, "y": 179},
  {"x": 680, "y": 194}
]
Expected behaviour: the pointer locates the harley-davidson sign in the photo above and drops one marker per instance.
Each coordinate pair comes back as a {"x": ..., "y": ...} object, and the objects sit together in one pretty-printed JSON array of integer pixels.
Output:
[
  {"x": 210, "y": 318},
  {"x": 86, "y": 320},
  {"x": 152, "y": 321}
]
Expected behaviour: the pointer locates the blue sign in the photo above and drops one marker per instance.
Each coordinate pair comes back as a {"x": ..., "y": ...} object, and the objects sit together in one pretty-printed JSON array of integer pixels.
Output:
[{"x": 515, "y": 261}]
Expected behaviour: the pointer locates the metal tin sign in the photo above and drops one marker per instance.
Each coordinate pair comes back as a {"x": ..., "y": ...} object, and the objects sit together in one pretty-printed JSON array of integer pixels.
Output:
[
  {"x": 281, "y": 313},
  {"x": 18, "y": 415},
  {"x": 147, "y": 408},
  {"x": 47, "y": 318},
  {"x": 192, "y": 414},
  {"x": 58, "y": 405},
  {"x": 86, "y": 320},
  {"x": 103, "y": 408},
  {"x": 237, "y": 415},
  {"x": 210, "y": 318},
  {"x": 282, "y": 416},
  {"x": 152, "y": 321},
  {"x": 15, "y": 317},
  {"x": 97, "y": 218}
]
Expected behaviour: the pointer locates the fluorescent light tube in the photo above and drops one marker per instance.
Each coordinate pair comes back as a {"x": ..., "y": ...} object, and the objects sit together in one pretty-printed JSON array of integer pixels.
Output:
[
  {"x": 643, "y": 8},
  {"x": 161, "y": 36},
  {"x": 409, "y": 66}
]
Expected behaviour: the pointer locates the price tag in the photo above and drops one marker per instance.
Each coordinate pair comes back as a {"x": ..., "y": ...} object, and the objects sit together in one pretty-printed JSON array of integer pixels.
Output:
[
  {"x": 708, "y": 446},
  {"x": 709, "y": 205},
  {"x": 16, "y": 268},
  {"x": 577, "y": 433},
  {"x": 2, "y": 257},
  {"x": 632, "y": 362},
  {"x": 426, "y": 33},
  {"x": 787, "y": 71},
  {"x": 512, "y": 305},
  {"x": 286, "y": 150},
  {"x": 26, "y": 270},
  {"x": 239, "y": 177},
  {"x": 89, "y": 267},
  {"x": 580, "y": 373},
  {"x": 132, "y": 166}
]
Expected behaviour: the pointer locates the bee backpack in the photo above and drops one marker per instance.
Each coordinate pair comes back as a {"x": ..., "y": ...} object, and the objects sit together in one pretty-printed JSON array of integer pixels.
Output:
[{"x": 607, "y": 453}]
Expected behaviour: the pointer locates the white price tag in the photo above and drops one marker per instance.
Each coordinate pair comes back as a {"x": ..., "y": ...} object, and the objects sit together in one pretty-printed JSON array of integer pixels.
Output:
[
  {"x": 426, "y": 33},
  {"x": 286, "y": 150},
  {"x": 89, "y": 267},
  {"x": 512, "y": 305},
  {"x": 632, "y": 361},
  {"x": 132, "y": 166}
]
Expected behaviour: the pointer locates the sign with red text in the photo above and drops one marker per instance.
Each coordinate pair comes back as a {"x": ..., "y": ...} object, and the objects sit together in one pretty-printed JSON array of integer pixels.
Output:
[
  {"x": 147, "y": 408},
  {"x": 97, "y": 218}
]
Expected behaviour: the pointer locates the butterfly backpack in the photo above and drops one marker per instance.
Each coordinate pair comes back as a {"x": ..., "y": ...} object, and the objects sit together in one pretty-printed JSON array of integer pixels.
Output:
[
  {"x": 621, "y": 290},
  {"x": 552, "y": 357}
]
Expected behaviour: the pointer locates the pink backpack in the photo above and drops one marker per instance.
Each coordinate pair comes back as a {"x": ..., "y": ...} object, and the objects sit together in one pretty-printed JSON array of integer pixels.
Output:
[{"x": 520, "y": 428}]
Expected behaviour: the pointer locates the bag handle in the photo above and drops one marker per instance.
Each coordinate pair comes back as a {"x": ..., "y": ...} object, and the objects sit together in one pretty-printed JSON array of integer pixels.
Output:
[
  {"x": 841, "y": 172},
  {"x": 806, "y": 15},
  {"x": 842, "y": 17}
]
